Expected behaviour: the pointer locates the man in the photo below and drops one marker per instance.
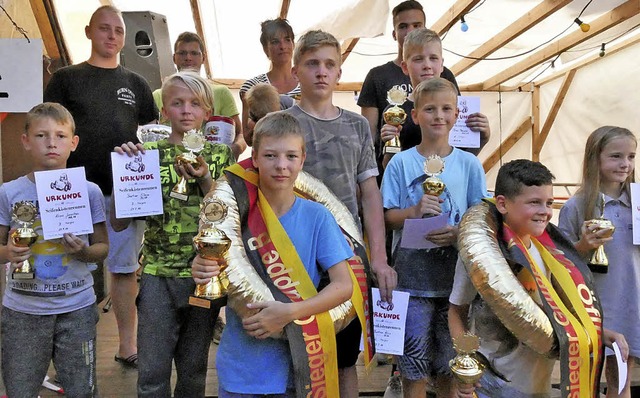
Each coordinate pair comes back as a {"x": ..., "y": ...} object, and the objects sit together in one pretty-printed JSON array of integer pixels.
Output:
[
  {"x": 407, "y": 16},
  {"x": 188, "y": 53},
  {"x": 108, "y": 102}
]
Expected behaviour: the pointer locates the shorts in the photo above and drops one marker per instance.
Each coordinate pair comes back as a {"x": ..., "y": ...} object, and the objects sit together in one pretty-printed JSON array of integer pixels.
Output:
[
  {"x": 427, "y": 343},
  {"x": 226, "y": 394},
  {"x": 124, "y": 246},
  {"x": 348, "y": 344},
  {"x": 494, "y": 387}
]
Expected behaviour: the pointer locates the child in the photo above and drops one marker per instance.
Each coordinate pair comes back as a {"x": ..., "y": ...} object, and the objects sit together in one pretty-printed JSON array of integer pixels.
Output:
[
  {"x": 246, "y": 348},
  {"x": 422, "y": 60},
  {"x": 608, "y": 168},
  {"x": 40, "y": 324},
  {"x": 169, "y": 328},
  {"x": 533, "y": 247},
  {"x": 340, "y": 154},
  {"x": 260, "y": 100},
  {"x": 428, "y": 274}
]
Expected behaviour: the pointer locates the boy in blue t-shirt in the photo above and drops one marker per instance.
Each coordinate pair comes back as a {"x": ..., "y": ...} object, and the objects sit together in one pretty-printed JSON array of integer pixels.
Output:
[
  {"x": 428, "y": 274},
  {"x": 251, "y": 359},
  {"x": 53, "y": 315}
]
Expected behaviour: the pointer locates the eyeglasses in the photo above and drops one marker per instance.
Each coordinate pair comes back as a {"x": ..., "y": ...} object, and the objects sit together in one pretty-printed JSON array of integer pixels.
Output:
[{"x": 192, "y": 53}]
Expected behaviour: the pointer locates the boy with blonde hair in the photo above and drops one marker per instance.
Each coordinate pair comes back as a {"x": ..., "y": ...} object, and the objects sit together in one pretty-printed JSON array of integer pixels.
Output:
[
  {"x": 340, "y": 153},
  {"x": 427, "y": 274},
  {"x": 169, "y": 328},
  {"x": 52, "y": 316},
  {"x": 261, "y": 99}
]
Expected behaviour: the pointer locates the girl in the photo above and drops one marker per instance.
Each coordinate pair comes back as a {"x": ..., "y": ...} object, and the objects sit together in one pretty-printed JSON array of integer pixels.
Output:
[{"x": 607, "y": 171}]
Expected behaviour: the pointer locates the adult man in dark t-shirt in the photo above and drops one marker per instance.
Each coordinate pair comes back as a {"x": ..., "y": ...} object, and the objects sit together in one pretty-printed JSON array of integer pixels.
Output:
[
  {"x": 108, "y": 102},
  {"x": 407, "y": 16}
]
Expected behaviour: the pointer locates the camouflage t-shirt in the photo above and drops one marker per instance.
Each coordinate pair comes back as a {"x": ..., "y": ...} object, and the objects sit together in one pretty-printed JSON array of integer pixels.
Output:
[{"x": 168, "y": 244}]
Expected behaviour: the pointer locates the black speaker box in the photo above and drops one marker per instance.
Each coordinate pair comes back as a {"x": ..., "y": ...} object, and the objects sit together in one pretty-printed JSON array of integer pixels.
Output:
[{"x": 147, "y": 50}]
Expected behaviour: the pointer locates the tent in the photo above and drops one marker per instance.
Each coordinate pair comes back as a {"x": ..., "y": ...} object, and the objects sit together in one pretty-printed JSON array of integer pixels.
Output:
[{"x": 544, "y": 83}]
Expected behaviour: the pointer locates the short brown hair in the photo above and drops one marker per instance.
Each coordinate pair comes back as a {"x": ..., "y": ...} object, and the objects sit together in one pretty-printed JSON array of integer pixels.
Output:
[
  {"x": 51, "y": 110},
  {"x": 262, "y": 99},
  {"x": 407, "y": 6},
  {"x": 277, "y": 125},
  {"x": 108, "y": 8},
  {"x": 189, "y": 37},
  {"x": 312, "y": 40},
  {"x": 430, "y": 86},
  {"x": 271, "y": 27},
  {"x": 417, "y": 39}
]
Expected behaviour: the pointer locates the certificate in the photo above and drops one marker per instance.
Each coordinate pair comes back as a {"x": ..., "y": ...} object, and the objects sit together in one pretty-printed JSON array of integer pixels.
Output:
[
  {"x": 389, "y": 322},
  {"x": 415, "y": 230},
  {"x": 64, "y": 202},
  {"x": 461, "y": 136},
  {"x": 136, "y": 184},
  {"x": 635, "y": 212}
]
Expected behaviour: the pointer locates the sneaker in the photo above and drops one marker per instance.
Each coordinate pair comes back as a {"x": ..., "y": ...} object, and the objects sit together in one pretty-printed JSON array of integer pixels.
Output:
[
  {"x": 394, "y": 387},
  {"x": 217, "y": 330}
]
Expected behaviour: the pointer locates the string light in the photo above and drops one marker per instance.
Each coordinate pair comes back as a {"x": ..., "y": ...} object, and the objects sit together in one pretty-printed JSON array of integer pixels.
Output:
[
  {"x": 602, "y": 50},
  {"x": 583, "y": 26},
  {"x": 463, "y": 24}
]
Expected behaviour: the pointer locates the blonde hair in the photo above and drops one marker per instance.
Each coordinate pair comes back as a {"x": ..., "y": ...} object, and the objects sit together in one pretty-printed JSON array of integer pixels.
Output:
[
  {"x": 197, "y": 84},
  {"x": 108, "y": 8},
  {"x": 277, "y": 125},
  {"x": 262, "y": 99},
  {"x": 313, "y": 40},
  {"x": 50, "y": 110},
  {"x": 430, "y": 86},
  {"x": 591, "y": 178},
  {"x": 417, "y": 39}
]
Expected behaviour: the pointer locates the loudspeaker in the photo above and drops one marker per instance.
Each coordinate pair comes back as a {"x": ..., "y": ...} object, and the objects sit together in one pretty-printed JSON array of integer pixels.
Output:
[{"x": 147, "y": 50}]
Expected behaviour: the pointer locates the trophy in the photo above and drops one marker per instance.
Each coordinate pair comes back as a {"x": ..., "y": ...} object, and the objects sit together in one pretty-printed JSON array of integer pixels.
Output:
[
  {"x": 211, "y": 244},
  {"x": 599, "y": 262},
  {"x": 466, "y": 368},
  {"x": 25, "y": 214},
  {"x": 433, "y": 167},
  {"x": 193, "y": 141},
  {"x": 394, "y": 116}
]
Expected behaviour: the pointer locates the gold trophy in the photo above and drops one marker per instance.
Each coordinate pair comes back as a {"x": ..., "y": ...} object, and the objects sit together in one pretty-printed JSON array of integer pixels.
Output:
[
  {"x": 599, "y": 262},
  {"x": 25, "y": 214},
  {"x": 433, "y": 167},
  {"x": 395, "y": 116},
  {"x": 211, "y": 244},
  {"x": 193, "y": 141},
  {"x": 466, "y": 368}
]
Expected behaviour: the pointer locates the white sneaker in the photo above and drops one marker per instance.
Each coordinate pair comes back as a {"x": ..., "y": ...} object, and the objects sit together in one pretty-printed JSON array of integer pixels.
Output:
[{"x": 394, "y": 387}]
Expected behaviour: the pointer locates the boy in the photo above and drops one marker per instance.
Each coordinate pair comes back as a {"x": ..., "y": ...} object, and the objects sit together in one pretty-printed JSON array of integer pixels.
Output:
[
  {"x": 531, "y": 246},
  {"x": 189, "y": 54},
  {"x": 262, "y": 99},
  {"x": 423, "y": 60},
  {"x": 428, "y": 274},
  {"x": 308, "y": 229},
  {"x": 340, "y": 154},
  {"x": 108, "y": 102},
  {"x": 169, "y": 328},
  {"x": 39, "y": 324}
]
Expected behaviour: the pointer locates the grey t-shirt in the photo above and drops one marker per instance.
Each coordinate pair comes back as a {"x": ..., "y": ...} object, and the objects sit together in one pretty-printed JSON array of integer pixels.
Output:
[
  {"x": 62, "y": 284},
  {"x": 339, "y": 153}
]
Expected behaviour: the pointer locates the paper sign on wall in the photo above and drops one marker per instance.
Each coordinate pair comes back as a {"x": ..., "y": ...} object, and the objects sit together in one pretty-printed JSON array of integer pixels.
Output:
[{"x": 20, "y": 74}]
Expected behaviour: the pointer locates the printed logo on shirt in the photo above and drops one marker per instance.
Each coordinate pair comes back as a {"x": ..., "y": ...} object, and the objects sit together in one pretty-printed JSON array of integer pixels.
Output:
[{"x": 127, "y": 96}]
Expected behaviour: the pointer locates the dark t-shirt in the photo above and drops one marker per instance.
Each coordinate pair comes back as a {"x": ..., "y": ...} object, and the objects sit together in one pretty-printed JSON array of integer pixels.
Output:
[{"x": 107, "y": 106}]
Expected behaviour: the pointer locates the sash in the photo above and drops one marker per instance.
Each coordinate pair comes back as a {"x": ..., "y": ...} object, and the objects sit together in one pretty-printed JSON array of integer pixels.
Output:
[
  {"x": 569, "y": 302},
  {"x": 271, "y": 252}
]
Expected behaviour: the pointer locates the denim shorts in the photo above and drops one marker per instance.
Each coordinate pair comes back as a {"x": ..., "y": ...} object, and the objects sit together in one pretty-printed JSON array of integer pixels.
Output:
[
  {"x": 124, "y": 246},
  {"x": 427, "y": 341}
]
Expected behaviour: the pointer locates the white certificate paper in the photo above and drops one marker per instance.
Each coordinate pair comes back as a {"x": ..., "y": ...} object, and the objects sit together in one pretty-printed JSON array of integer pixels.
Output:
[
  {"x": 635, "y": 212},
  {"x": 622, "y": 366},
  {"x": 136, "y": 184},
  {"x": 415, "y": 230},
  {"x": 389, "y": 322},
  {"x": 461, "y": 136},
  {"x": 64, "y": 202}
]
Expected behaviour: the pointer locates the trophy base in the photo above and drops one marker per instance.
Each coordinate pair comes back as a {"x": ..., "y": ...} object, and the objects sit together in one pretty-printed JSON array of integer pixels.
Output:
[
  {"x": 391, "y": 150},
  {"x": 23, "y": 275},
  {"x": 599, "y": 268},
  {"x": 179, "y": 196},
  {"x": 206, "y": 302}
]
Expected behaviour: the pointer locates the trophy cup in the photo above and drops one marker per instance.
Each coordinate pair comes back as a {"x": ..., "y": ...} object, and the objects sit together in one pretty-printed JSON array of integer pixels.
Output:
[
  {"x": 25, "y": 214},
  {"x": 394, "y": 116},
  {"x": 466, "y": 368},
  {"x": 433, "y": 167},
  {"x": 193, "y": 141},
  {"x": 599, "y": 262},
  {"x": 211, "y": 244}
]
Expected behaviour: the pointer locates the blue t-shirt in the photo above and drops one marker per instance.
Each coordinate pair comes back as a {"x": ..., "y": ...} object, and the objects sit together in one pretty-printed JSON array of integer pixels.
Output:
[
  {"x": 250, "y": 366},
  {"x": 61, "y": 284},
  {"x": 401, "y": 188}
]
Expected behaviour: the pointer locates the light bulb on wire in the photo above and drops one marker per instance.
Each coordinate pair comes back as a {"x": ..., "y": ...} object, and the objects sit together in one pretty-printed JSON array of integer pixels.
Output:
[
  {"x": 583, "y": 26},
  {"x": 463, "y": 24},
  {"x": 602, "y": 50}
]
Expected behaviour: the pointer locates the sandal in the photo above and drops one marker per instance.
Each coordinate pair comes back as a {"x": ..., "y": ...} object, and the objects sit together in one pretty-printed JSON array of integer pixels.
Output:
[{"x": 130, "y": 362}]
